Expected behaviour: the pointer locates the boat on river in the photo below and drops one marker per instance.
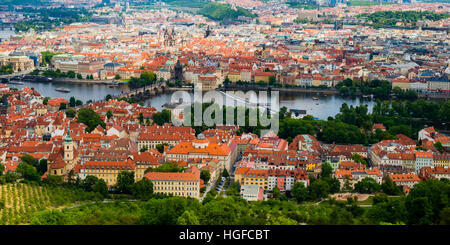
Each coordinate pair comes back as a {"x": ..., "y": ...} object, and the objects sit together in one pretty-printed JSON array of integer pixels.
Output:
[
  {"x": 64, "y": 90},
  {"x": 15, "y": 82}
]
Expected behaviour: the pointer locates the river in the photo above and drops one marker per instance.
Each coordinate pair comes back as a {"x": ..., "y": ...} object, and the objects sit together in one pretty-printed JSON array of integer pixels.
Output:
[
  {"x": 323, "y": 108},
  {"x": 5, "y": 35}
]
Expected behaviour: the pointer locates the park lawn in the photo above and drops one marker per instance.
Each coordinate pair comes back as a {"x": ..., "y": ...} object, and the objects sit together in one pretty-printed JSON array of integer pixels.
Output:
[{"x": 368, "y": 201}]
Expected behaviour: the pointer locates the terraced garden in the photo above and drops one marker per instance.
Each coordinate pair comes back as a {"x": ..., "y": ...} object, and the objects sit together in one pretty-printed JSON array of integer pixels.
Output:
[{"x": 19, "y": 201}]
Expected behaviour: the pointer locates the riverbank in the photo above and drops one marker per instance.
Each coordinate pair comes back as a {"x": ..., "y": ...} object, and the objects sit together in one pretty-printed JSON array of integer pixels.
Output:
[
  {"x": 173, "y": 89},
  {"x": 441, "y": 96},
  {"x": 247, "y": 87},
  {"x": 85, "y": 81}
]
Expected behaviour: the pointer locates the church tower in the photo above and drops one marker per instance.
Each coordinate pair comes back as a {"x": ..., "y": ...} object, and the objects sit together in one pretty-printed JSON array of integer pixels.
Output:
[{"x": 68, "y": 146}]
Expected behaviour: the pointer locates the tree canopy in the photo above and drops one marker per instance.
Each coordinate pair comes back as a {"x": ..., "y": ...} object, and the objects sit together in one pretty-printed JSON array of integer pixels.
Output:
[{"x": 90, "y": 118}]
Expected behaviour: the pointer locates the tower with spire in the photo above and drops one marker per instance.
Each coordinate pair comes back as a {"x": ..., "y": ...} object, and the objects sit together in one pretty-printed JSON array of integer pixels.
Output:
[{"x": 68, "y": 146}]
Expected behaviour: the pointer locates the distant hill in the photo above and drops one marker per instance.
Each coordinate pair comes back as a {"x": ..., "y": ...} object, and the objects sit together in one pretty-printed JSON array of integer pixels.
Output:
[{"x": 221, "y": 11}]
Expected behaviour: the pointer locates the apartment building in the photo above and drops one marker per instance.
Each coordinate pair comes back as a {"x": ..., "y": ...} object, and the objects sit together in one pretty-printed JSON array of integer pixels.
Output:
[
  {"x": 106, "y": 170},
  {"x": 185, "y": 184}
]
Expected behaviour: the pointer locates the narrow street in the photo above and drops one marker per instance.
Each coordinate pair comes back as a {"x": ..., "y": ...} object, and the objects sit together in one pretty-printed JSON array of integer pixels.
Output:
[{"x": 231, "y": 173}]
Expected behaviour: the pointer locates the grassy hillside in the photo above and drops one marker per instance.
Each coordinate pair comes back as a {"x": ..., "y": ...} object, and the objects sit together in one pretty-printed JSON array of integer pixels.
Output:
[
  {"x": 390, "y": 18},
  {"x": 19, "y": 201},
  {"x": 221, "y": 11}
]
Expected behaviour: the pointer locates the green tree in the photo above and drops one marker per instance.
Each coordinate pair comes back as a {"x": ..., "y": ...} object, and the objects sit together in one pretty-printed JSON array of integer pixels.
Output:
[
  {"x": 143, "y": 189},
  {"x": 379, "y": 198},
  {"x": 385, "y": 210},
  {"x": 71, "y": 74},
  {"x": 431, "y": 194},
  {"x": 335, "y": 185},
  {"x": 445, "y": 216},
  {"x": 347, "y": 187},
  {"x": 166, "y": 211},
  {"x": 390, "y": 188},
  {"x": 49, "y": 217},
  {"x": 125, "y": 181},
  {"x": 367, "y": 185},
  {"x": 225, "y": 173},
  {"x": 205, "y": 175},
  {"x": 318, "y": 189},
  {"x": 117, "y": 77},
  {"x": 47, "y": 58},
  {"x": 188, "y": 218},
  {"x": 141, "y": 118},
  {"x": 109, "y": 114},
  {"x": 90, "y": 118},
  {"x": 272, "y": 80},
  {"x": 71, "y": 112},
  {"x": 160, "y": 147},
  {"x": 148, "y": 77},
  {"x": 89, "y": 182},
  {"x": 108, "y": 97},
  {"x": 438, "y": 146},
  {"x": 28, "y": 172},
  {"x": 358, "y": 158},
  {"x": 327, "y": 170},
  {"x": 281, "y": 220},
  {"x": 144, "y": 149},
  {"x": 30, "y": 160},
  {"x": 10, "y": 177},
  {"x": 62, "y": 106},
  {"x": 45, "y": 100},
  {"x": 2, "y": 168},
  {"x": 53, "y": 180},
  {"x": 162, "y": 117},
  {"x": 100, "y": 187},
  {"x": 420, "y": 211},
  {"x": 276, "y": 193}
]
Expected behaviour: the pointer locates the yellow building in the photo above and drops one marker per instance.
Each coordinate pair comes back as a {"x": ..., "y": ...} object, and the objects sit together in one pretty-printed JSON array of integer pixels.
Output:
[
  {"x": 65, "y": 66},
  {"x": 246, "y": 176},
  {"x": 185, "y": 184},
  {"x": 207, "y": 83},
  {"x": 310, "y": 166},
  {"x": 146, "y": 160},
  {"x": 22, "y": 63},
  {"x": 316, "y": 82},
  {"x": 106, "y": 170},
  {"x": 441, "y": 160},
  {"x": 401, "y": 82},
  {"x": 40, "y": 110},
  {"x": 234, "y": 76},
  {"x": 240, "y": 173},
  {"x": 262, "y": 76}
]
